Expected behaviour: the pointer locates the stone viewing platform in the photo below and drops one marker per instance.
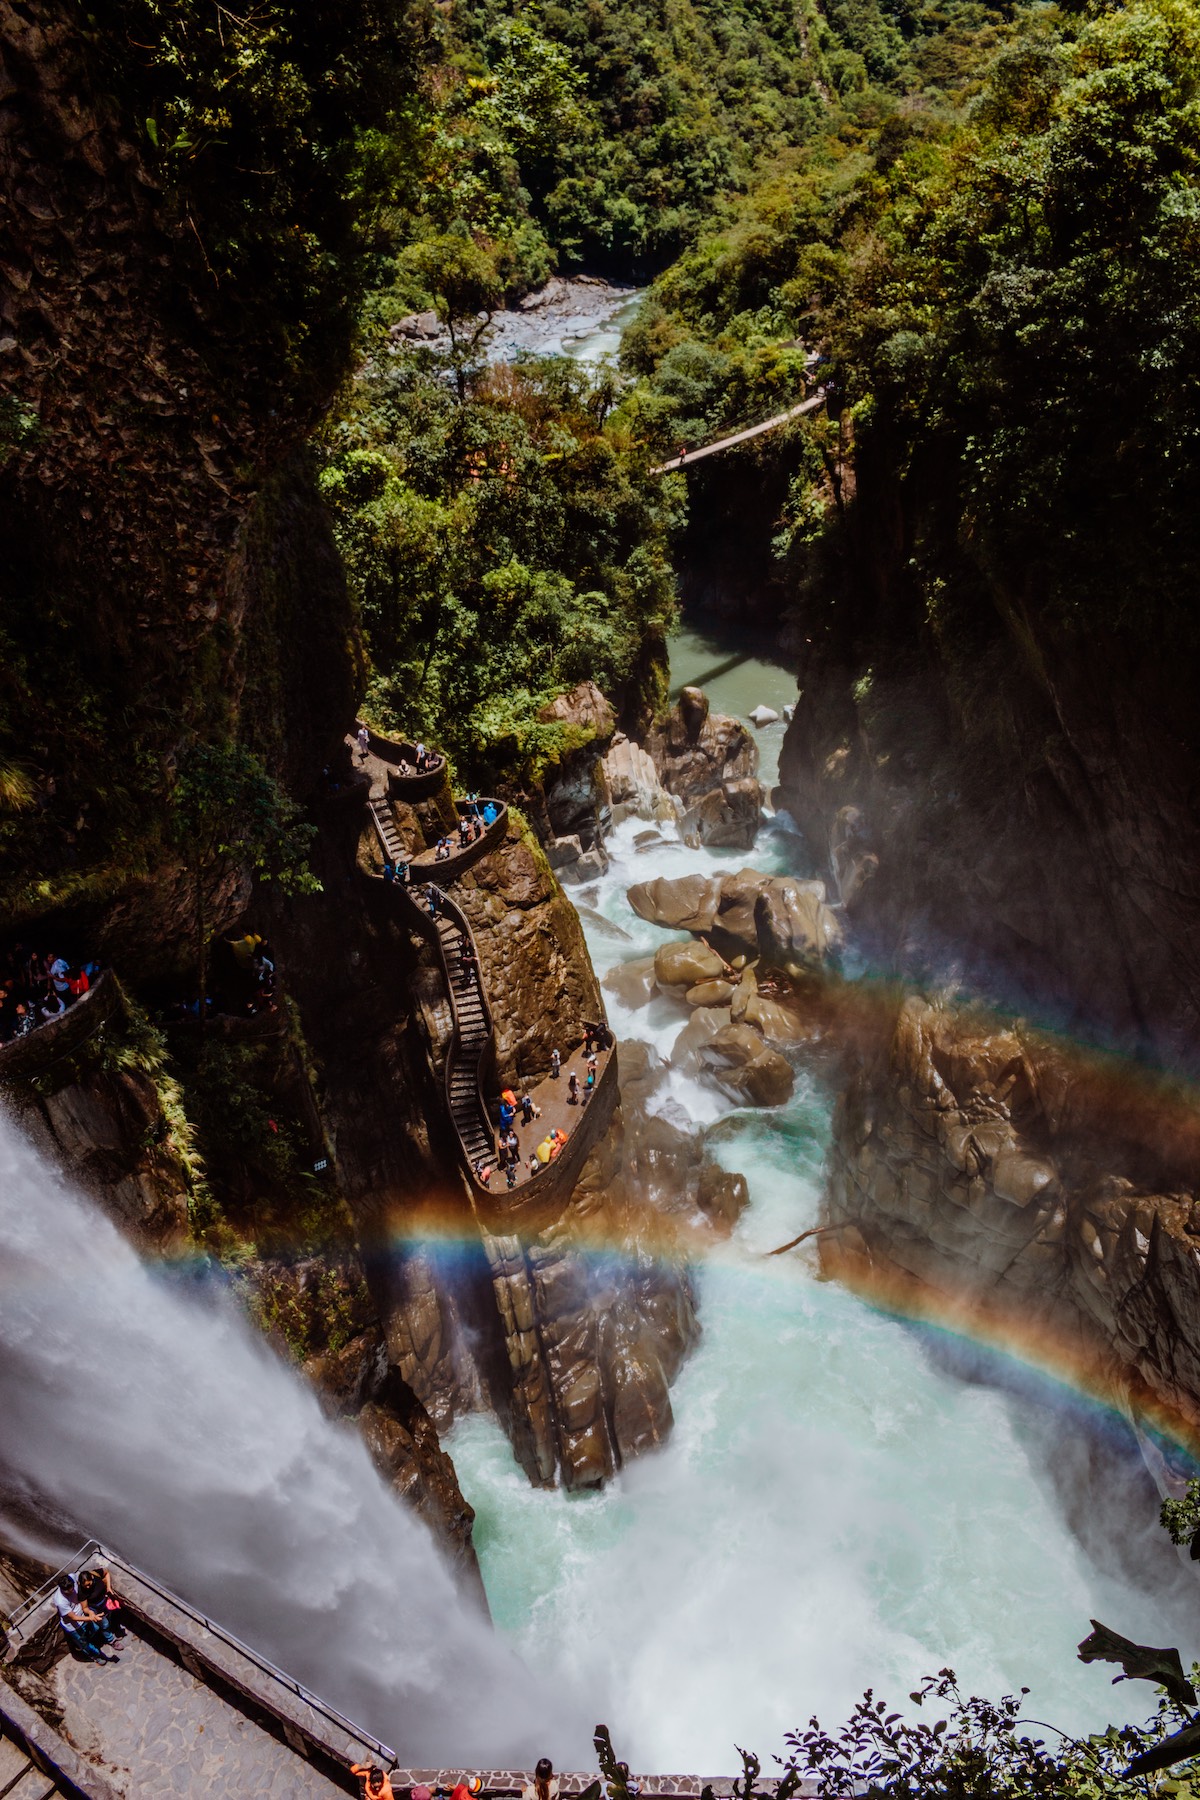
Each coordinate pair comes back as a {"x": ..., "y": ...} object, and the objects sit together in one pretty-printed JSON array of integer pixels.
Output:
[
  {"x": 55, "y": 1039},
  {"x": 192, "y": 1712}
]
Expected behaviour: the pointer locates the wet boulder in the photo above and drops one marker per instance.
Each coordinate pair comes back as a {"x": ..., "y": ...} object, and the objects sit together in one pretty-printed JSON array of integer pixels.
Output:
[
  {"x": 685, "y": 902},
  {"x": 741, "y": 1064},
  {"x": 684, "y": 965},
  {"x": 722, "y": 1197},
  {"x": 710, "y": 993}
]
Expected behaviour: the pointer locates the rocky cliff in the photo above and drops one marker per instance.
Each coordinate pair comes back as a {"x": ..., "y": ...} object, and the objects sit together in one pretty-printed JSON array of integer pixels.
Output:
[
  {"x": 993, "y": 791},
  {"x": 983, "y": 1172}
]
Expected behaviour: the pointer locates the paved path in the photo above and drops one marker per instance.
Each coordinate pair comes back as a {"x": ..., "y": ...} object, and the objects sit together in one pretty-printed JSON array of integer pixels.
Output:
[
  {"x": 550, "y": 1096},
  {"x": 155, "y": 1729},
  {"x": 741, "y": 437}
]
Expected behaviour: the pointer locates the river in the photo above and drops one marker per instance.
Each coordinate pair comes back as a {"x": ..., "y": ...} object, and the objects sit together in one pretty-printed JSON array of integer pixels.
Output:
[{"x": 837, "y": 1507}]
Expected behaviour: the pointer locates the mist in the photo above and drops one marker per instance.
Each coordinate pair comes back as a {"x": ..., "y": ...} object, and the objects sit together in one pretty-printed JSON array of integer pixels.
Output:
[{"x": 164, "y": 1426}]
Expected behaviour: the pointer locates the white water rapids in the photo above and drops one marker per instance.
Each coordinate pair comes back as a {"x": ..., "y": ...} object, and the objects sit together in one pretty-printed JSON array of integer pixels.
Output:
[{"x": 833, "y": 1511}]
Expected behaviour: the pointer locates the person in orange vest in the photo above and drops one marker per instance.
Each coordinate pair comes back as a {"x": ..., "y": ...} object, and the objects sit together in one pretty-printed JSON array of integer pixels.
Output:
[{"x": 376, "y": 1784}]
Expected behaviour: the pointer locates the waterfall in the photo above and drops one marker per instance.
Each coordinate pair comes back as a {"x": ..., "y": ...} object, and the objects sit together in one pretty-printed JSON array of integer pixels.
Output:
[{"x": 160, "y": 1423}]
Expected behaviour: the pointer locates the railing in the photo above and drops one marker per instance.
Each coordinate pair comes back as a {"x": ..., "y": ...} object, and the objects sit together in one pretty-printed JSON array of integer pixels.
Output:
[
  {"x": 44, "y": 1045},
  {"x": 415, "y": 786},
  {"x": 459, "y": 1058},
  {"x": 502, "y": 1205},
  {"x": 464, "y": 856},
  {"x": 321, "y": 1708}
]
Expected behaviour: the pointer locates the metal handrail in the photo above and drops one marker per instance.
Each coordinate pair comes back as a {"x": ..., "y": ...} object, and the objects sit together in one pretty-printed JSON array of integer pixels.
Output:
[
  {"x": 94, "y": 1547},
  {"x": 33, "y": 1601}
]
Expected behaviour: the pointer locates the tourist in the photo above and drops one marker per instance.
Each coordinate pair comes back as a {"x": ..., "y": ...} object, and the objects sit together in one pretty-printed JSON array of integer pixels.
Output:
[
  {"x": 529, "y": 1112},
  {"x": 377, "y": 1785},
  {"x": 95, "y": 1587},
  {"x": 534, "y": 1166},
  {"x": 510, "y": 1171},
  {"x": 464, "y": 832},
  {"x": 59, "y": 973},
  {"x": 422, "y": 759},
  {"x": 631, "y": 1786},
  {"x": 573, "y": 1089},
  {"x": 491, "y": 813},
  {"x": 544, "y": 1785},
  {"x": 389, "y": 871},
  {"x": 589, "y": 1086},
  {"x": 431, "y": 900},
  {"x": 79, "y": 1624},
  {"x": 507, "y": 1115},
  {"x": 483, "y": 1173},
  {"x": 466, "y": 954},
  {"x": 470, "y": 1788},
  {"x": 364, "y": 743},
  {"x": 404, "y": 872},
  {"x": 555, "y": 1065}
]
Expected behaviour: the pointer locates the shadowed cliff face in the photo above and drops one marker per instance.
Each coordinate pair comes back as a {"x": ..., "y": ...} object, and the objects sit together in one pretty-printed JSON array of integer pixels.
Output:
[
  {"x": 984, "y": 1170},
  {"x": 154, "y": 531},
  {"x": 1007, "y": 801}
]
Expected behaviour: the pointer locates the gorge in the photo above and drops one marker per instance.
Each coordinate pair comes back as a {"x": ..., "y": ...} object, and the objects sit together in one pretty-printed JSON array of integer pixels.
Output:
[{"x": 377, "y": 686}]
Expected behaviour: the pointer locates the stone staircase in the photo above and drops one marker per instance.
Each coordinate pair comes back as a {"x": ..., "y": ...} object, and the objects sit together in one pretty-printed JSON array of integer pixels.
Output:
[
  {"x": 20, "y": 1777},
  {"x": 472, "y": 1025},
  {"x": 385, "y": 829}
]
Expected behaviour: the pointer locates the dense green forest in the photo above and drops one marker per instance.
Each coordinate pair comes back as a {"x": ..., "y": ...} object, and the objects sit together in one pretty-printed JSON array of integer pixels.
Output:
[{"x": 981, "y": 219}]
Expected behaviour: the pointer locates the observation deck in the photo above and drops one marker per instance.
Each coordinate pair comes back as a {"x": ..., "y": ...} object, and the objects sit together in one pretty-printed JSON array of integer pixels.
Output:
[{"x": 193, "y": 1712}]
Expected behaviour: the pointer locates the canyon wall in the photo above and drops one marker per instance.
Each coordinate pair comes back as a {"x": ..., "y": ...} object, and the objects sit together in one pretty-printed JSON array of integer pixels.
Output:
[{"x": 984, "y": 1174}]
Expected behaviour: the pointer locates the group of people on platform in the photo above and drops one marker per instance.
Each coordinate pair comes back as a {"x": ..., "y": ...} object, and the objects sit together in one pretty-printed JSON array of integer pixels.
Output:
[
  {"x": 36, "y": 987},
  {"x": 377, "y": 1784},
  {"x": 425, "y": 759},
  {"x": 90, "y": 1614}
]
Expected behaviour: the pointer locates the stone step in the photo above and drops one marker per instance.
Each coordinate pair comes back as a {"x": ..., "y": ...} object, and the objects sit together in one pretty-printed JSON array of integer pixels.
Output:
[
  {"x": 33, "y": 1785},
  {"x": 13, "y": 1762}
]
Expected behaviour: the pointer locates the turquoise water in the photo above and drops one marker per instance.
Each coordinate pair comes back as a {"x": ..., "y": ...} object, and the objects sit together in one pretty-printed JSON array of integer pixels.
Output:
[
  {"x": 833, "y": 1510},
  {"x": 735, "y": 682}
]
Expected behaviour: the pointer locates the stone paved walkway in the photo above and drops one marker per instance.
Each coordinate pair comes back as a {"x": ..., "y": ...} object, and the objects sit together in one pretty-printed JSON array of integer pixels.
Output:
[
  {"x": 155, "y": 1729},
  {"x": 551, "y": 1097}
]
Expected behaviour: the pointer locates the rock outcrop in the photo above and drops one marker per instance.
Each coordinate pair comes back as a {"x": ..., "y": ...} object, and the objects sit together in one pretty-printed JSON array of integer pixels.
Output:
[
  {"x": 634, "y": 785},
  {"x": 1051, "y": 1194},
  {"x": 709, "y": 762},
  {"x": 787, "y": 921}
]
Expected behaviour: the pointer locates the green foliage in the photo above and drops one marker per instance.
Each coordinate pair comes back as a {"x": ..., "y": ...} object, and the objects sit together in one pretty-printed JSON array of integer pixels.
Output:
[
  {"x": 1005, "y": 287},
  {"x": 278, "y": 132},
  {"x": 500, "y": 552},
  {"x": 1180, "y": 1519},
  {"x": 224, "y": 803}
]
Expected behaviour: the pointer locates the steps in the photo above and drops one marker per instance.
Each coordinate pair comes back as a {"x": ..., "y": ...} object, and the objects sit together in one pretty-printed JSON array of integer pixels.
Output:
[
  {"x": 20, "y": 1778},
  {"x": 389, "y": 837}
]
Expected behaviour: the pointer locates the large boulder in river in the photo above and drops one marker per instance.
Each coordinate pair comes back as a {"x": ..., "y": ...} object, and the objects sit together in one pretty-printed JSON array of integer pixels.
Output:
[
  {"x": 633, "y": 784},
  {"x": 710, "y": 762},
  {"x": 684, "y": 903},
  {"x": 727, "y": 817},
  {"x": 788, "y": 921},
  {"x": 738, "y": 1061},
  {"x": 686, "y": 965}
]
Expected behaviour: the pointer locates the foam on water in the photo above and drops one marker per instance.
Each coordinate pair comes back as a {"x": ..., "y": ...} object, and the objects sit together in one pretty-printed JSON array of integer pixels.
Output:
[{"x": 832, "y": 1512}]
